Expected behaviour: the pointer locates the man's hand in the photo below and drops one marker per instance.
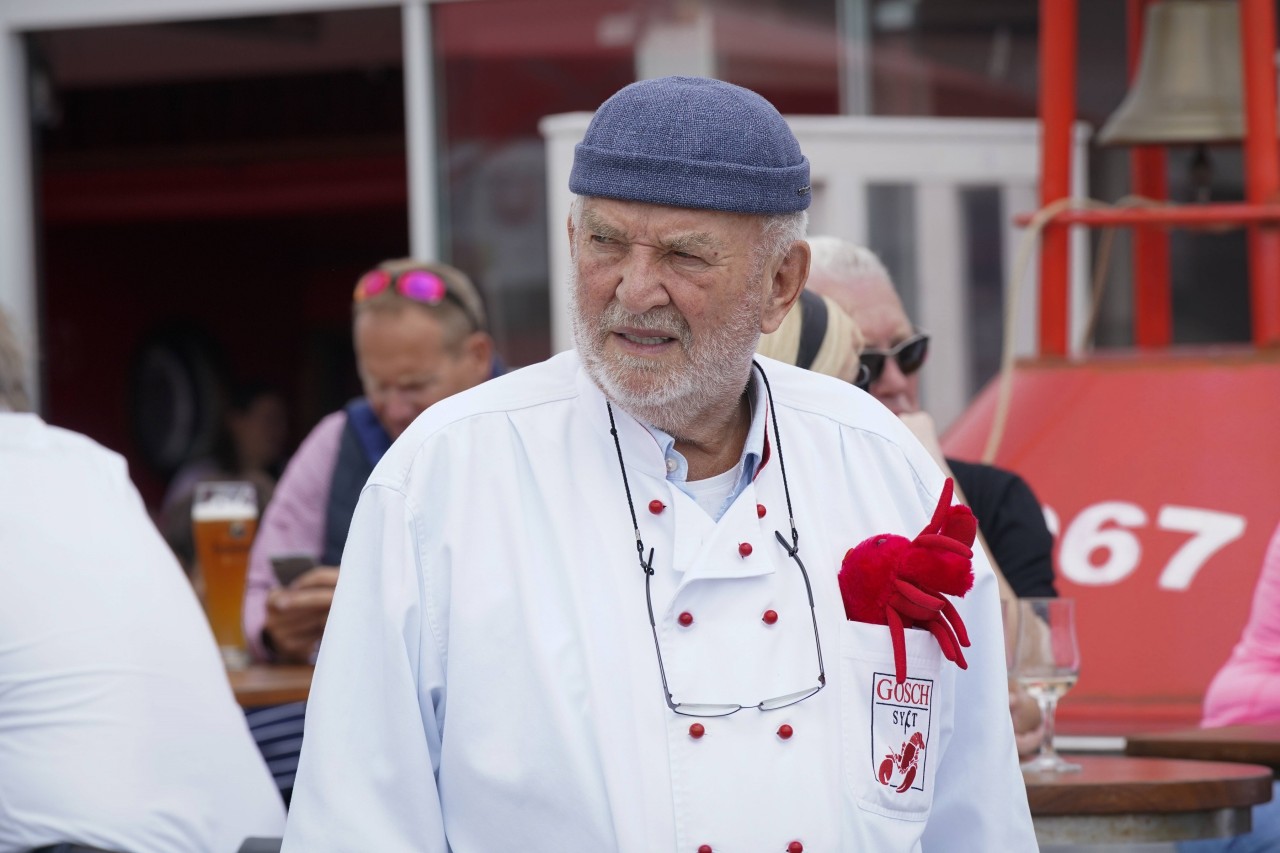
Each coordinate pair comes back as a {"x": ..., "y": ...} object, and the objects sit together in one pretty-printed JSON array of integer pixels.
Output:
[
  {"x": 1028, "y": 725},
  {"x": 296, "y": 614}
]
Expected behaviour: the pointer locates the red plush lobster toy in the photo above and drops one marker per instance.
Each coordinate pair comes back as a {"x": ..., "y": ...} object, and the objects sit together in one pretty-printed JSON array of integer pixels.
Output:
[{"x": 890, "y": 580}]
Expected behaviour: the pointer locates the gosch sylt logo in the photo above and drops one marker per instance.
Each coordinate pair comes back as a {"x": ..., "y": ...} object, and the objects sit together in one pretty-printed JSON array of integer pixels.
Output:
[{"x": 900, "y": 726}]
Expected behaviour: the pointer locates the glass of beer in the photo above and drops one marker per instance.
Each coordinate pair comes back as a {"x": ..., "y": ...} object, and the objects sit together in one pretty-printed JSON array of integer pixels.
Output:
[{"x": 224, "y": 518}]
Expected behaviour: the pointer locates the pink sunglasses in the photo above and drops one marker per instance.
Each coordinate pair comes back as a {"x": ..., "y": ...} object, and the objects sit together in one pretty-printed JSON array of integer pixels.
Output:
[{"x": 419, "y": 285}]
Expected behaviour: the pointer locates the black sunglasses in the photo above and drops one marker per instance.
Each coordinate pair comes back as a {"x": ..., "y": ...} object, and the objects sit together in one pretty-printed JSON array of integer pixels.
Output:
[{"x": 909, "y": 354}]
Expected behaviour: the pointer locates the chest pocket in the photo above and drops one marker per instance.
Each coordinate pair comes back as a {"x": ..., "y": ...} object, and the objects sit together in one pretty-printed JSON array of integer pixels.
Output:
[{"x": 892, "y": 733}]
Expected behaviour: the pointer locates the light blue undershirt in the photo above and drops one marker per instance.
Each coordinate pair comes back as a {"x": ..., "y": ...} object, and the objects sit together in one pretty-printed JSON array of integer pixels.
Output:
[{"x": 752, "y": 453}]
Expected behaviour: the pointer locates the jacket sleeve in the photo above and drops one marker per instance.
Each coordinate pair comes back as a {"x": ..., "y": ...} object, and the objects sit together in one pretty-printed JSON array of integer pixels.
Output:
[
  {"x": 292, "y": 523},
  {"x": 1246, "y": 689},
  {"x": 371, "y": 747}
]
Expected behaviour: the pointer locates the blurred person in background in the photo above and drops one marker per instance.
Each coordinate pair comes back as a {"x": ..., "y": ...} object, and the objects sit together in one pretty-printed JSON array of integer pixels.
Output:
[
  {"x": 420, "y": 335},
  {"x": 1247, "y": 691},
  {"x": 817, "y": 335},
  {"x": 118, "y": 728},
  {"x": 250, "y": 445}
]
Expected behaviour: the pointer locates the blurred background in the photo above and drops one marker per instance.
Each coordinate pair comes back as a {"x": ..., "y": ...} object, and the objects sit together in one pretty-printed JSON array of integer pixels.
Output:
[{"x": 204, "y": 181}]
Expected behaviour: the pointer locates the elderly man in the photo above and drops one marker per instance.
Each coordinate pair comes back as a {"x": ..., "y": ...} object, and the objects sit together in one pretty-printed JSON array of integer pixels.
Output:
[
  {"x": 1009, "y": 515},
  {"x": 593, "y": 605}
]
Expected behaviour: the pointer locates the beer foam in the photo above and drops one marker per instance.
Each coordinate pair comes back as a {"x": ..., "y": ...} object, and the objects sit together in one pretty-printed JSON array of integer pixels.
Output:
[{"x": 224, "y": 509}]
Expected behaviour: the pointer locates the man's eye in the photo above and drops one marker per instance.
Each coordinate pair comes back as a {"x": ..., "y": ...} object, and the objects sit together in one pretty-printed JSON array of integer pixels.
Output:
[{"x": 601, "y": 240}]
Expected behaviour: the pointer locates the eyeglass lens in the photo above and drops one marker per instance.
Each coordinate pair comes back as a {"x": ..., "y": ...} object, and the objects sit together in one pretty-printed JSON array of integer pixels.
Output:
[
  {"x": 909, "y": 354},
  {"x": 421, "y": 286}
]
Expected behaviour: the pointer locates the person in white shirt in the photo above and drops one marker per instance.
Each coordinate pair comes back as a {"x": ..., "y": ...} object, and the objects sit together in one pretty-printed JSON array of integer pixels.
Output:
[
  {"x": 593, "y": 604},
  {"x": 118, "y": 728}
]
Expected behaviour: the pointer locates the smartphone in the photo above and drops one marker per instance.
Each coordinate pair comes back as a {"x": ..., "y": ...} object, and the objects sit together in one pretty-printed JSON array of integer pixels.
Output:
[{"x": 289, "y": 566}]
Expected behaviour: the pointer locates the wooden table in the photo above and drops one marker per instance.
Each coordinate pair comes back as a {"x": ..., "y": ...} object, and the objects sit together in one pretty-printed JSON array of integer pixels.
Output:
[
  {"x": 270, "y": 684},
  {"x": 1118, "y": 799},
  {"x": 1257, "y": 744}
]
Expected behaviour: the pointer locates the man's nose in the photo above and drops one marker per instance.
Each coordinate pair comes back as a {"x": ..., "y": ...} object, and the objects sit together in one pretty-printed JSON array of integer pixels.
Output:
[
  {"x": 400, "y": 410},
  {"x": 642, "y": 285},
  {"x": 893, "y": 387}
]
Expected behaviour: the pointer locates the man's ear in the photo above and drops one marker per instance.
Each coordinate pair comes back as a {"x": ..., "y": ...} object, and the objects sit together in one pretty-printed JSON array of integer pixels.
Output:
[
  {"x": 785, "y": 286},
  {"x": 477, "y": 349}
]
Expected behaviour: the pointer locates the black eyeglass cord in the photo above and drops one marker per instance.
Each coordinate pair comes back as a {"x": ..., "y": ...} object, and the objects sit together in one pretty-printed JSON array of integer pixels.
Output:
[
  {"x": 792, "y": 549},
  {"x": 635, "y": 524}
]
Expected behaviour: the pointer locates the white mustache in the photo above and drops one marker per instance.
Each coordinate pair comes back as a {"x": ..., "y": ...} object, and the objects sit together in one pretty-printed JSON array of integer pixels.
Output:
[{"x": 665, "y": 319}]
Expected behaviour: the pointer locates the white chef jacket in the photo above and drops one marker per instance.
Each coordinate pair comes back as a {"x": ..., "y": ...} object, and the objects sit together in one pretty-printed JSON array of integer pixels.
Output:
[
  {"x": 488, "y": 679},
  {"x": 118, "y": 728}
]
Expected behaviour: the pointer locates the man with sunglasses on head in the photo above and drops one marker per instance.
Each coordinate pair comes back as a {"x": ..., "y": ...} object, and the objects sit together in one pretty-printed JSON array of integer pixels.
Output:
[
  {"x": 420, "y": 335},
  {"x": 1009, "y": 515},
  {"x": 593, "y": 605}
]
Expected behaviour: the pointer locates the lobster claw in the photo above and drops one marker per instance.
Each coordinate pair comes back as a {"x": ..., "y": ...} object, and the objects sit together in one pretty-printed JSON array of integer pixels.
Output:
[{"x": 910, "y": 605}]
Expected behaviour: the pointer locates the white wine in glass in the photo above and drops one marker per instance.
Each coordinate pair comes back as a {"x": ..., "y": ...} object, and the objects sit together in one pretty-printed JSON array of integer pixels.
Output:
[{"x": 1045, "y": 660}]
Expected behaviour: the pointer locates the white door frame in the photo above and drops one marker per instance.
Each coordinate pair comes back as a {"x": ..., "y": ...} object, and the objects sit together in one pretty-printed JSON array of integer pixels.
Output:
[{"x": 19, "y": 287}]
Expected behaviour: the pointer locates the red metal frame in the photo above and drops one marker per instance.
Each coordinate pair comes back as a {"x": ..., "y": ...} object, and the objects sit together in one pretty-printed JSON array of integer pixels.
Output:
[
  {"x": 1262, "y": 163},
  {"x": 1152, "y": 281},
  {"x": 1260, "y": 211},
  {"x": 1058, "y": 22}
]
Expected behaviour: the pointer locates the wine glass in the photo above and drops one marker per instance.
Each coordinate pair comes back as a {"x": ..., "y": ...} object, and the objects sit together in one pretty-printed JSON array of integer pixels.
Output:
[{"x": 1044, "y": 658}]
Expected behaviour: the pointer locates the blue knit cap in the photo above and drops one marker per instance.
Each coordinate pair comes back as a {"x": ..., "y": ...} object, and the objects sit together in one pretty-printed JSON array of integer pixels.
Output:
[{"x": 692, "y": 142}]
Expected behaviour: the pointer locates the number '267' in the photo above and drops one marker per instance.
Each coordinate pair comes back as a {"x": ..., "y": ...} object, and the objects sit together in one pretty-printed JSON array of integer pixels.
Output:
[{"x": 1109, "y": 526}]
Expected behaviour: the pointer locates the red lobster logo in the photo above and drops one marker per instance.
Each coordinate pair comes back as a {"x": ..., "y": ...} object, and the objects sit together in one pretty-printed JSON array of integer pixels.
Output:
[{"x": 903, "y": 764}]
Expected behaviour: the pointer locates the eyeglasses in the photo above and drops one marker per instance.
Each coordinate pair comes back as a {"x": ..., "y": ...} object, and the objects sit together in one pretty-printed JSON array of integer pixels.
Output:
[
  {"x": 909, "y": 354},
  {"x": 703, "y": 709},
  {"x": 419, "y": 285}
]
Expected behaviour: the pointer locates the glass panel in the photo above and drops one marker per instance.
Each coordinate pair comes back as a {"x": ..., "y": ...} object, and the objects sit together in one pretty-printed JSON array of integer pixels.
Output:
[
  {"x": 506, "y": 64},
  {"x": 891, "y": 234},
  {"x": 984, "y": 281}
]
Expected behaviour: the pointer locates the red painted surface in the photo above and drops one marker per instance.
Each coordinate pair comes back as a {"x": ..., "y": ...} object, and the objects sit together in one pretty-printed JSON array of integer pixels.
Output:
[
  {"x": 1262, "y": 163},
  {"x": 1058, "y": 25},
  {"x": 1148, "y": 439},
  {"x": 1152, "y": 291}
]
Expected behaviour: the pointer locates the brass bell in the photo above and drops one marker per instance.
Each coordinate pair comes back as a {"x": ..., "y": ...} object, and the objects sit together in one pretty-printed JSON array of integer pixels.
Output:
[{"x": 1188, "y": 88}]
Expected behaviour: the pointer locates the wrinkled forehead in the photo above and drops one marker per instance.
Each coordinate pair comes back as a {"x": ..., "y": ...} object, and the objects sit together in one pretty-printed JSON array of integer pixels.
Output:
[{"x": 633, "y": 221}]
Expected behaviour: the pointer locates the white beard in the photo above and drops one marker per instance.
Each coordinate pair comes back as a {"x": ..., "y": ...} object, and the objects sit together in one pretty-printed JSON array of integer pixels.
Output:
[{"x": 671, "y": 399}]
